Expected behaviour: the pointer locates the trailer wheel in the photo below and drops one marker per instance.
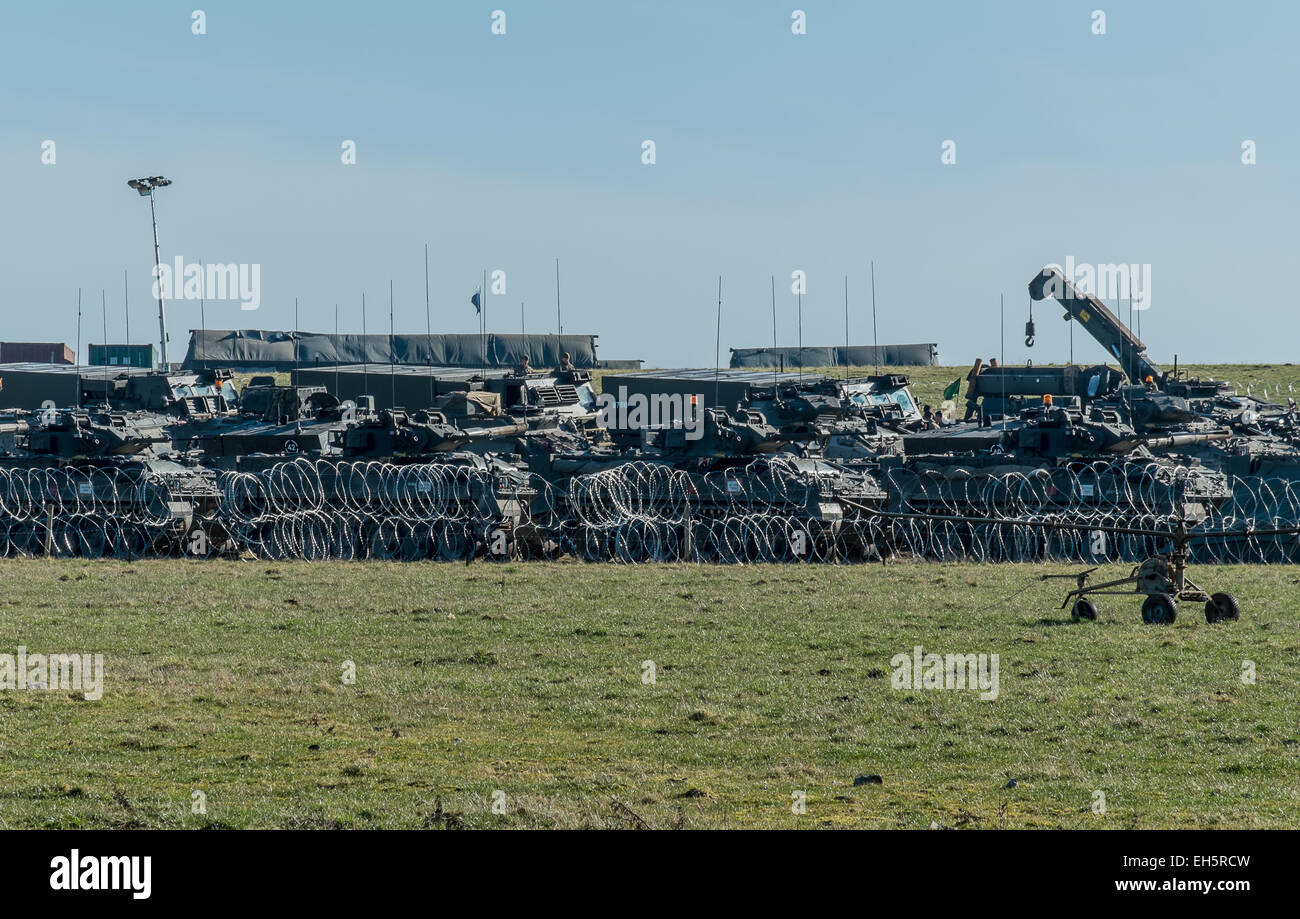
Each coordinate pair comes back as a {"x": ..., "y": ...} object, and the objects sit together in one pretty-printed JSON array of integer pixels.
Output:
[
  {"x": 1159, "y": 609},
  {"x": 1083, "y": 609},
  {"x": 1221, "y": 607}
]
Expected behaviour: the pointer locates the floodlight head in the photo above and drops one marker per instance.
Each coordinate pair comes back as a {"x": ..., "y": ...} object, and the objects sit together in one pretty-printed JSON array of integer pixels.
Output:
[{"x": 146, "y": 185}]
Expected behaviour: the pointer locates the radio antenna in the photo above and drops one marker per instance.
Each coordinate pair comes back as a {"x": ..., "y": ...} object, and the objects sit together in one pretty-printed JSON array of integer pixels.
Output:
[
  {"x": 800, "y": 300},
  {"x": 774, "y": 346},
  {"x": 203, "y": 324},
  {"x": 428, "y": 324},
  {"x": 717, "y": 348},
  {"x": 77, "y": 357},
  {"x": 392, "y": 348},
  {"x": 103, "y": 311},
  {"x": 846, "y": 327},
  {"x": 875, "y": 338}
]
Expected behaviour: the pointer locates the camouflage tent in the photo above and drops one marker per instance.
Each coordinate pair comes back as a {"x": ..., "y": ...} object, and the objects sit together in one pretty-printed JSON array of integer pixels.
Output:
[
  {"x": 260, "y": 349},
  {"x": 919, "y": 355}
]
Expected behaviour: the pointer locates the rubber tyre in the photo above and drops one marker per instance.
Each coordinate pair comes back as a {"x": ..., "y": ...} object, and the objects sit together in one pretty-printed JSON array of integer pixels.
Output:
[
  {"x": 1221, "y": 608},
  {"x": 1083, "y": 609},
  {"x": 1159, "y": 609}
]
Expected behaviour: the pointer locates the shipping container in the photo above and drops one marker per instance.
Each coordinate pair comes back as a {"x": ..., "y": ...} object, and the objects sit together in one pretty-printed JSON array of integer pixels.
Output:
[
  {"x": 122, "y": 356},
  {"x": 35, "y": 352}
]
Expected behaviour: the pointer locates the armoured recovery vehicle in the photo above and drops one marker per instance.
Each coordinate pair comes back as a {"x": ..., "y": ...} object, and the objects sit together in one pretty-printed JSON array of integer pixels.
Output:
[{"x": 1190, "y": 420}]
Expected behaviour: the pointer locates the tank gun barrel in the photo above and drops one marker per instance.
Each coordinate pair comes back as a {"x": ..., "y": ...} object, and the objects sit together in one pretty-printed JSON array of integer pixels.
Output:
[
  {"x": 501, "y": 430},
  {"x": 1185, "y": 440}
]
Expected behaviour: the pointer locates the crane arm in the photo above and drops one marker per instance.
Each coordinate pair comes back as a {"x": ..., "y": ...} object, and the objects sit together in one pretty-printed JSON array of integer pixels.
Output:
[{"x": 1099, "y": 322}]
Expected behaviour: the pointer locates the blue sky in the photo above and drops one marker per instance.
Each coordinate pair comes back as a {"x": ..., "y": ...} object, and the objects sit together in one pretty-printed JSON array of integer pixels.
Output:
[{"x": 775, "y": 152}]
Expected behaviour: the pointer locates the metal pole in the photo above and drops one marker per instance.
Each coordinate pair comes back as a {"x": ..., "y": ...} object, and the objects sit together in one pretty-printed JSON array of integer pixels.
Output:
[
  {"x": 1002, "y": 332},
  {"x": 774, "y": 356},
  {"x": 1130, "y": 313},
  {"x": 875, "y": 338},
  {"x": 103, "y": 313},
  {"x": 157, "y": 262},
  {"x": 392, "y": 349},
  {"x": 203, "y": 315},
  {"x": 77, "y": 356},
  {"x": 717, "y": 348},
  {"x": 800, "y": 301},
  {"x": 428, "y": 324}
]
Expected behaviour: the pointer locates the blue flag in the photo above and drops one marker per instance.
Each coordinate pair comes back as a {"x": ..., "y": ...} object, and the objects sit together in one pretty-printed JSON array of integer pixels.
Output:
[{"x": 478, "y": 305}]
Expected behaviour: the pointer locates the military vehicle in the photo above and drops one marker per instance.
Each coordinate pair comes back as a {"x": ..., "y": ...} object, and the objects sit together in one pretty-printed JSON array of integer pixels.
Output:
[
  {"x": 37, "y": 386},
  {"x": 814, "y": 415},
  {"x": 1191, "y": 420},
  {"x": 702, "y": 465},
  {"x": 414, "y": 387}
]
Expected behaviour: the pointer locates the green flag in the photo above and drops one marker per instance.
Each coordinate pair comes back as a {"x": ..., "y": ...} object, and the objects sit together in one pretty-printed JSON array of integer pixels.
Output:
[{"x": 952, "y": 389}]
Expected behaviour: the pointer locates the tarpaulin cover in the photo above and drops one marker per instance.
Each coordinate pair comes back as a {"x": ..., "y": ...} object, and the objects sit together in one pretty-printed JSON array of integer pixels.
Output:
[
  {"x": 490, "y": 402},
  {"x": 258, "y": 348},
  {"x": 919, "y": 355}
]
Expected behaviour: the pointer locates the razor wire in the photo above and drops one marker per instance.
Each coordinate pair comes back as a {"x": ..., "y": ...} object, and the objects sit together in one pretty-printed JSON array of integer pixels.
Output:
[
  {"x": 90, "y": 513},
  {"x": 773, "y": 509}
]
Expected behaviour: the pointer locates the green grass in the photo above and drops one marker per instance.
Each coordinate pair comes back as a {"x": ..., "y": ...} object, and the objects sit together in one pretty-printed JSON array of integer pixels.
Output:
[
  {"x": 225, "y": 678},
  {"x": 241, "y": 379}
]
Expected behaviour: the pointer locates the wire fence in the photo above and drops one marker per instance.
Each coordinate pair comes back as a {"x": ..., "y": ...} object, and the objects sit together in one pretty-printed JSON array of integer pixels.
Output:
[{"x": 769, "y": 510}]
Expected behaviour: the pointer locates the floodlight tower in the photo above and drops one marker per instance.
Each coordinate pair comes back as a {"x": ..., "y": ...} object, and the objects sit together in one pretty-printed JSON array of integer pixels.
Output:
[{"x": 146, "y": 187}]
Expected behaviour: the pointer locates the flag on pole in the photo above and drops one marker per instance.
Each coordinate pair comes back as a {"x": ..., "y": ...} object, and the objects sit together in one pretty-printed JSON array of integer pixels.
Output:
[
  {"x": 478, "y": 303},
  {"x": 953, "y": 387}
]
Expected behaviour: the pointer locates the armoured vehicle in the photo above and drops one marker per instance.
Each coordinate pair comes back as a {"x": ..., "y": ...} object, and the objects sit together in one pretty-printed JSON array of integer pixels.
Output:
[
  {"x": 1200, "y": 421},
  {"x": 37, "y": 386},
  {"x": 727, "y": 466},
  {"x": 413, "y": 387}
]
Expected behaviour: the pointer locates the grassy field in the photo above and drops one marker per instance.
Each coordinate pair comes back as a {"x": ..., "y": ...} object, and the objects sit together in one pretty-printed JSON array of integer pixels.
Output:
[{"x": 227, "y": 679}]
